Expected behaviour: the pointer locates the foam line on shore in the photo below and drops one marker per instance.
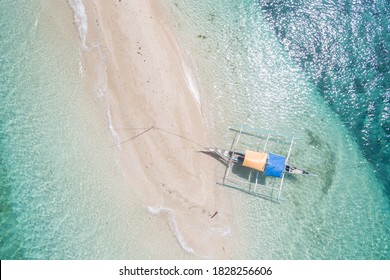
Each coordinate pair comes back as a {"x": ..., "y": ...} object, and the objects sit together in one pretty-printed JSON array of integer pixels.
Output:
[
  {"x": 103, "y": 91},
  {"x": 173, "y": 226},
  {"x": 100, "y": 85},
  {"x": 190, "y": 79},
  {"x": 80, "y": 19},
  {"x": 140, "y": 73}
]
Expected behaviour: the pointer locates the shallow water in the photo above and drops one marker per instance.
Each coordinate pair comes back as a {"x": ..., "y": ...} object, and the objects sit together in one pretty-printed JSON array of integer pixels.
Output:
[
  {"x": 62, "y": 193},
  {"x": 346, "y": 54},
  {"x": 247, "y": 76}
]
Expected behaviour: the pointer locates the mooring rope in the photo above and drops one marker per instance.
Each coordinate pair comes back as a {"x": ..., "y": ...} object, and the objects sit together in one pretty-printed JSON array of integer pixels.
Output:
[{"x": 157, "y": 128}]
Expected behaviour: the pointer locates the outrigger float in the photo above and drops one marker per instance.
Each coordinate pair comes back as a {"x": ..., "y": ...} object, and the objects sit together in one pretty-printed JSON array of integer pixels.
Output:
[{"x": 252, "y": 167}]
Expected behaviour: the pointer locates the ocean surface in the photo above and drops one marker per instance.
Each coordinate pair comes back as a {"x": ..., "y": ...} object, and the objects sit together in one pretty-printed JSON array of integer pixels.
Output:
[
  {"x": 316, "y": 69},
  {"x": 62, "y": 194}
]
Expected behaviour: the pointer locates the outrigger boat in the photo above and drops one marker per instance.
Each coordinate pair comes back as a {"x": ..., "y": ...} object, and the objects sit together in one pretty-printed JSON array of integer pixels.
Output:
[
  {"x": 268, "y": 163},
  {"x": 262, "y": 163}
]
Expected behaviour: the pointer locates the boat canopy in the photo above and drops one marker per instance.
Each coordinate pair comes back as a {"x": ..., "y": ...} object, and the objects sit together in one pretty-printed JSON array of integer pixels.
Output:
[
  {"x": 255, "y": 160},
  {"x": 271, "y": 164},
  {"x": 261, "y": 162},
  {"x": 275, "y": 166}
]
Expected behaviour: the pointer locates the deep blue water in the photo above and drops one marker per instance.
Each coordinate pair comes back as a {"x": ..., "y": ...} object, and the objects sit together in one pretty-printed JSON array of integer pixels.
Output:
[
  {"x": 291, "y": 67},
  {"x": 344, "y": 48},
  {"x": 54, "y": 204}
]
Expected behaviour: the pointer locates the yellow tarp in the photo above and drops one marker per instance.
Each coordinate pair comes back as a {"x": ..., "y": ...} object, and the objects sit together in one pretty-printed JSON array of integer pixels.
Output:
[{"x": 255, "y": 160}]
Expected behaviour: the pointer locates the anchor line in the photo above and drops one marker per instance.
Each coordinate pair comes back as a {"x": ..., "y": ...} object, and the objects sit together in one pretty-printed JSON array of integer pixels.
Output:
[{"x": 157, "y": 128}]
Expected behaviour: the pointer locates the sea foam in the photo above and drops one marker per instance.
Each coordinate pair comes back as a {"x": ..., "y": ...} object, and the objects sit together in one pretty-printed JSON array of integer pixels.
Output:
[
  {"x": 190, "y": 78},
  {"x": 80, "y": 19},
  {"x": 173, "y": 226},
  {"x": 103, "y": 92},
  {"x": 81, "y": 22}
]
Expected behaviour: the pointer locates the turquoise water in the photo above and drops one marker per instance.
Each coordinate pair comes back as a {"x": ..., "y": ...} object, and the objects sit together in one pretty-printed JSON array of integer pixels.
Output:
[
  {"x": 62, "y": 194},
  {"x": 249, "y": 74},
  {"x": 346, "y": 54}
]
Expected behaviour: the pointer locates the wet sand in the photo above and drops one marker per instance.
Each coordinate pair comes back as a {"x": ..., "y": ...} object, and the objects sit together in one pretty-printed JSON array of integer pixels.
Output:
[{"x": 157, "y": 118}]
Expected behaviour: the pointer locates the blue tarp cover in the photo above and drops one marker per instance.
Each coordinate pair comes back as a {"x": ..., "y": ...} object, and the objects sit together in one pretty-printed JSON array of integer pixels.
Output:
[{"x": 275, "y": 165}]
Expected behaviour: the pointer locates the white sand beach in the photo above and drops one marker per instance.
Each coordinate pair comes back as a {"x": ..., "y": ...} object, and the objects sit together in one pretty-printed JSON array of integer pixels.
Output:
[{"x": 155, "y": 112}]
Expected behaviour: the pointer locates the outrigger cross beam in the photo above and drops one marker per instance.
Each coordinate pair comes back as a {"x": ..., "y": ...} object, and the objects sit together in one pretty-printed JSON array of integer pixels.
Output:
[{"x": 257, "y": 168}]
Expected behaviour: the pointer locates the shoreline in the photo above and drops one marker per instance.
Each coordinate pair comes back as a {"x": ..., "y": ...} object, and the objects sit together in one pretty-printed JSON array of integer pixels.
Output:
[{"x": 154, "y": 105}]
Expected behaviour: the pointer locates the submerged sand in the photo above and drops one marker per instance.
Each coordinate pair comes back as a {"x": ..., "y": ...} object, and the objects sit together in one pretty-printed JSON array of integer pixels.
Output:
[{"x": 157, "y": 121}]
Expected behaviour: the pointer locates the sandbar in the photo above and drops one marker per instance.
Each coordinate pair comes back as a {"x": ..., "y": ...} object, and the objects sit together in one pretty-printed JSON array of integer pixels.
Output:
[{"x": 157, "y": 121}]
